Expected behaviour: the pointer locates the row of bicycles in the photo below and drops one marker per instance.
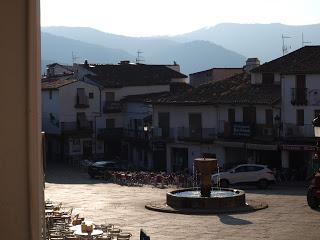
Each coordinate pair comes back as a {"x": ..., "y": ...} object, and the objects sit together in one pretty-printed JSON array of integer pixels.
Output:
[{"x": 157, "y": 179}]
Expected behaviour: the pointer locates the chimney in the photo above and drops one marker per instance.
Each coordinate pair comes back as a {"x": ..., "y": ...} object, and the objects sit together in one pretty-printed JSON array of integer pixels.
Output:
[
  {"x": 86, "y": 64},
  {"x": 251, "y": 63}
]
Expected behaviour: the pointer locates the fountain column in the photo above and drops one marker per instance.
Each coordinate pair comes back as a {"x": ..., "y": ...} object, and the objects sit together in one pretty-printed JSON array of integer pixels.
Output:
[{"x": 205, "y": 167}]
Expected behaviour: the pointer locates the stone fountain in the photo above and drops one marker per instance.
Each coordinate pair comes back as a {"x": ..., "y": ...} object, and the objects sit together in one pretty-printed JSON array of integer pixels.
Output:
[
  {"x": 206, "y": 199},
  {"x": 205, "y": 167}
]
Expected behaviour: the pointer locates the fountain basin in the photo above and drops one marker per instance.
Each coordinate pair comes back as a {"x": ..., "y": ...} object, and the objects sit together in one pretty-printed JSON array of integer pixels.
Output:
[{"x": 190, "y": 198}]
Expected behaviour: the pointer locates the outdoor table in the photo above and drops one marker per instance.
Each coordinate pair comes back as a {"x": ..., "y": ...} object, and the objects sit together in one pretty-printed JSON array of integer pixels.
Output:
[{"x": 85, "y": 235}]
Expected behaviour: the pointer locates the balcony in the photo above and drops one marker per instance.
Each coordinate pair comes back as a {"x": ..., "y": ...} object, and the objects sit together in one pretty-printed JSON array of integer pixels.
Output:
[
  {"x": 294, "y": 131},
  {"x": 162, "y": 134},
  {"x": 136, "y": 135},
  {"x": 244, "y": 130},
  {"x": 196, "y": 135},
  {"x": 299, "y": 96},
  {"x": 74, "y": 128},
  {"x": 111, "y": 107},
  {"x": 82, "y": 101},
  {"x": 111, "y": 134}
]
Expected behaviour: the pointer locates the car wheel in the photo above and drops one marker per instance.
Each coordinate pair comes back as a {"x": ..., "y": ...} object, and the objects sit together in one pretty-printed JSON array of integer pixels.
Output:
[
  {"x": 313, "y": 202},
  {"x": 263, "y": 184},
  {"x": 224, "y": 183}
]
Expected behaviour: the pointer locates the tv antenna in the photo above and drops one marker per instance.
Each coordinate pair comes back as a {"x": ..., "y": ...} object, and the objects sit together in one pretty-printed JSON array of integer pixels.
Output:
[
  {"x": 74, "y": 58},
  {"x": 284, "y": 46},
  {"x": 139, "y": 59},
  {"x": 303, "y": 42}
]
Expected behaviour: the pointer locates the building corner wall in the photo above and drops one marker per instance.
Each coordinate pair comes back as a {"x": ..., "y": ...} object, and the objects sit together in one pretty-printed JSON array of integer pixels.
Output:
[{"x": 21, "y": 178}]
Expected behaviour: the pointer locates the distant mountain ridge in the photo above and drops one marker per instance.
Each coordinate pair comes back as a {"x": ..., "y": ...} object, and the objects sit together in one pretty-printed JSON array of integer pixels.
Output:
[
  {"x": 58, "y": 43},
  {"x": 255, "y": 40}
]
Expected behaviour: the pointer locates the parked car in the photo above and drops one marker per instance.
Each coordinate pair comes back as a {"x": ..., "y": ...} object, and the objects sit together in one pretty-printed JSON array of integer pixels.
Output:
[
  {"x": 99, "y": 168},
  {"x": 259, "y": 175}
]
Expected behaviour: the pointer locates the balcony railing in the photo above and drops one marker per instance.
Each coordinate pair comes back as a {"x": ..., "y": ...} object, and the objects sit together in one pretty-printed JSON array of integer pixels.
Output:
[
  {"x": 76, "y": 128},
  {"x": 110, "y": 133},
  {"x": 292, "y": 130},
  {"x": 244, "y": 130},
  {"x": 299, "y": 96},
  {"x": 165, "y": 134},
  {"x": 137, "y": 135},
  {"x": 81, "y": 102},
  {"x": 199, "y": 135},
  {"x": 111, "y": 107}
]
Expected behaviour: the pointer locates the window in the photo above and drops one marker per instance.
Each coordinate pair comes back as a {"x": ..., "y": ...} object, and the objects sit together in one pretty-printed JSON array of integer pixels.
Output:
[
  {"x": 254, "y": 168},
  {"x": 110, "y": 96},
  {"x": 249, "y": 115},
  {"x": 195, "y": 125},
  {"x": 231, "y": 115},
  {"x": 301, "y": 81},
  {"x": 76, "y": 147},
  {"x": 241, "y": 169},
  {"x": 267, "y": 78},
  {"x": 300, "y": 117},
  {"x": 164, "y": 123},
  {"x": 110, "y": 123},
  {"x": 91, "y": 95},
  {"x": 269, "y": 117}
]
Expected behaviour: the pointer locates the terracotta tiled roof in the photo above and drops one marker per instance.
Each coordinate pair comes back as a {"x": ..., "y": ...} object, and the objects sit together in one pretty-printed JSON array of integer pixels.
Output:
[
  {"x": 67, "y": 67},
  {"x": 302, "y": 61},
  {"x": 176, "y": 88},
  {"x": 55, "y": 84},
  {"x": 132, "y": 75},
  {"x": 233, "y": 90},
  {"x": 58, "y": 77}
]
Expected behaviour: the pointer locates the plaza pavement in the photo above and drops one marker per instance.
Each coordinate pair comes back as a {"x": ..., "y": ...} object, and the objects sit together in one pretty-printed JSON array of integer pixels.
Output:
[{"x": 287, "y": 217}]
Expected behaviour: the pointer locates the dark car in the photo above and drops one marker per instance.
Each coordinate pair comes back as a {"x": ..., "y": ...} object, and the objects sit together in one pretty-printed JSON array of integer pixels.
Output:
[{"x": 99, "y": 169}]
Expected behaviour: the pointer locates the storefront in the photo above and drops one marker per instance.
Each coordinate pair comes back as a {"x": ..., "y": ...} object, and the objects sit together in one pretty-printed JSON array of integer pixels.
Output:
[
  {"x": 179, "y": 161},
  {"x": 297, "y": 160}
]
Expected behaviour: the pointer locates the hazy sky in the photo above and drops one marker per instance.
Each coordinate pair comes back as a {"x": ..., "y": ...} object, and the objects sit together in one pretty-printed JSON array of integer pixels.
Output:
[{"x": 170, "y": 17}]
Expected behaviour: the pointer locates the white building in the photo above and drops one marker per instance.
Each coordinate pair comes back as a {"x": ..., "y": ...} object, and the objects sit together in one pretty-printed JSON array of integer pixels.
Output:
[
  {"x": 232, "y": 120},
  {"x": 69, "y": 111},
  {"x": 119, "y": 119},
  {"x": 262, "y": 117},
  {"x": 299, "y": 75}
]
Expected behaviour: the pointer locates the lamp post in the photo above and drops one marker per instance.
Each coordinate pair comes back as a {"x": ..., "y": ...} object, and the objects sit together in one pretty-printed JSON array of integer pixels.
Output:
[
  {"x": 278, "y": 124},
  {"x": 313, "y": 196},
  {"x": 316, "y": 127}
]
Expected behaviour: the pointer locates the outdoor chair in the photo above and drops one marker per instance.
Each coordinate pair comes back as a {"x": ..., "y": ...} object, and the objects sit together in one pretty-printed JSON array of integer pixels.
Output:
[{"x": 124, "y": 236}]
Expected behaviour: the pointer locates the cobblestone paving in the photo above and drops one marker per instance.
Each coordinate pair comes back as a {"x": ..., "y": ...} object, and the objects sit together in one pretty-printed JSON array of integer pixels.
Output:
[{"x": 288, "y": 215}]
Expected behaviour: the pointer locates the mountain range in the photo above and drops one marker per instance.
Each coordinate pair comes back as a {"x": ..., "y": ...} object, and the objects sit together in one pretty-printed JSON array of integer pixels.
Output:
[
  {"x": 224, "y": 45},
  {"x": 256, "y": 40}
]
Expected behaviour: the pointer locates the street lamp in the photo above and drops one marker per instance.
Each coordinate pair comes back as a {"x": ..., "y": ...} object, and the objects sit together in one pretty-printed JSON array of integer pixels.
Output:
[
  {"x": 316, "y": 126},
  {"x": 278, "y": 124}
]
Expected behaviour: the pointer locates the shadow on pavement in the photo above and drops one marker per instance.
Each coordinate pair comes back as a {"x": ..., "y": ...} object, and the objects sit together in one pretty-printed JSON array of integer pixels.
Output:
[
  {"x": 288, "y": 188},
  {"x": 229, "y": 220},
  {"x": 64, "y": 174}
]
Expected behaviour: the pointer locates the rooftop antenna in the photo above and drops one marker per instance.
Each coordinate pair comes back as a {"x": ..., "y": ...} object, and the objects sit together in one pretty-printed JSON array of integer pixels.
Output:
[
  {"x": 284, "y": 47},
  {"x": 139, "y": 59},
  {"x": 303, "y": 42},
  {"x": 74, "y": 58}
]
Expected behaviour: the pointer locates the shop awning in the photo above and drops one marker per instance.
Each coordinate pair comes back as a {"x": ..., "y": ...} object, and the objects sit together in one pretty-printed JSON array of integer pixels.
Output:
[
  {"x": 266, "y": 147},
  {"x": 231, "y": 144},
  {"x": 296, "y": 147}
]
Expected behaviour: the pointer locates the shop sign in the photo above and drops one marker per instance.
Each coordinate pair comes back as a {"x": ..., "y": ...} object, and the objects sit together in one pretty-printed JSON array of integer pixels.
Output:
[
  {"x": 159, "y": 146},
  {"x": 241, "y": 130},
  {"x": 298, "y": 147}
]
